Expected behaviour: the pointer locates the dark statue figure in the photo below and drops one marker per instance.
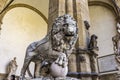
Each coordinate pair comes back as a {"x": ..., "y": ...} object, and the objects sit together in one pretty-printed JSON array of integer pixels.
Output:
[
  {"x": 93, "y": 52},
  {"x": 60, "y": 40},
  {"x": 93, "y": 43},
  {"x": 87, "y": 25}
]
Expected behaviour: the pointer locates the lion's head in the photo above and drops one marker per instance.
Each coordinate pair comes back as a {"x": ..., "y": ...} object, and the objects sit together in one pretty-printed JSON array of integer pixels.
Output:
[{"x": 64, "y": 33}]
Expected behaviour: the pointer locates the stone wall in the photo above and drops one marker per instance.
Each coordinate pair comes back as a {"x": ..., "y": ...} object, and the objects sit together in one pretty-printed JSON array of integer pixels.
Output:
[
  {"x": 108, "y": 77},
  {"x": 103, "y": 25},
  {"x": 3, "y": 76}
]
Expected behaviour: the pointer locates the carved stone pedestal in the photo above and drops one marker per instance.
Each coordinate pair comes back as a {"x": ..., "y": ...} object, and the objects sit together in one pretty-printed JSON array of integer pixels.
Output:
[
  {"x": 51, "y": 78},
  {"x": 117, "y": 77},
  {"x": 118, "y": 68}
]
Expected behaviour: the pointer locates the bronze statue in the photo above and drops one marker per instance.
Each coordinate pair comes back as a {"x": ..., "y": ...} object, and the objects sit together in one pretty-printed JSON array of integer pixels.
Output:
[{"x": 61, "y": 39}]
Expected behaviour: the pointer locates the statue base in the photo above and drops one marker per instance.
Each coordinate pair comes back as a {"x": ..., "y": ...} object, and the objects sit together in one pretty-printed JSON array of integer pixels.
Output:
[
  {"x": 118, "y": 77},
  {"x": 51, "y": 78}
]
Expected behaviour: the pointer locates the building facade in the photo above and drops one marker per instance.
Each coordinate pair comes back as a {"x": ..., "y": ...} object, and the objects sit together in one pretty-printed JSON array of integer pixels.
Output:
[{"x": 26, "y": 21}]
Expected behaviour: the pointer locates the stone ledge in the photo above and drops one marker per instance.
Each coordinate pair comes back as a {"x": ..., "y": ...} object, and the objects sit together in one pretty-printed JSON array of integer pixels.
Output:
[
  {"x": 83, "y": 74},
  {"x": 3, "y": 76},
  {"x": 50, "y": 78}
]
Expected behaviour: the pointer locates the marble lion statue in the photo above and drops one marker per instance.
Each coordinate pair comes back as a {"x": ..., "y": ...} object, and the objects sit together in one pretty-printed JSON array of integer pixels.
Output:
[{"x": 60, "y": 39}]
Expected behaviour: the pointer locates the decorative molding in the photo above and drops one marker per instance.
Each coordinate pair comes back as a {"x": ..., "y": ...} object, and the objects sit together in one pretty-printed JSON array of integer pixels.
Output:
[
  {"x": 100, "y": 3},
  {"x": 6, "y": 6},
  {"x": 81, "y": 74},
  {"x": 3, "y": 76}
]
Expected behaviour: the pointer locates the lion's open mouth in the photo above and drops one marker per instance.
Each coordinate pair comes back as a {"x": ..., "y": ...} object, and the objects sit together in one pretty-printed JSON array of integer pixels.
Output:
[{"x": 69, "y": 34}]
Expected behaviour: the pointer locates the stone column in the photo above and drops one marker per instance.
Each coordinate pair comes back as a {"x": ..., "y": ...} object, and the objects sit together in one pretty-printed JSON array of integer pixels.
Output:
[
  {"x": 2, "y": 6},
  {"x": 93, "y": 63},
  {"x": 95, "y": 77},
  {"x": 56, "y": 8},
  {"x": 83, "y": 67},
  {"x": 61, "y": 5},
  {"x": 69, "y": 7},
  {"x": 79, "y": 10},
  {"x": 53, "y": 12},
  {"x": 82, "y": 14},
  {"x": 72, "y": 59},
  {"x": 72, "y": 63}
]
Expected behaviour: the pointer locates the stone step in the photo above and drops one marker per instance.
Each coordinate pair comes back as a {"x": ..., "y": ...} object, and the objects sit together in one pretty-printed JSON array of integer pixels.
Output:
[{"x": 50, "y": 78}]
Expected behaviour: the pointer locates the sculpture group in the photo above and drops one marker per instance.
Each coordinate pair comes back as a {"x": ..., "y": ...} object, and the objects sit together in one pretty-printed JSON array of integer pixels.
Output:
[{"x": 53, "y": 50}]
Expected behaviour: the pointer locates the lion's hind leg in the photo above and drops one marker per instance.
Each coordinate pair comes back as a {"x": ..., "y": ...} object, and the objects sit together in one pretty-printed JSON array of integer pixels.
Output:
[
  {"x": 37, "y": 69},
  {"x": 25, "y": 66}
]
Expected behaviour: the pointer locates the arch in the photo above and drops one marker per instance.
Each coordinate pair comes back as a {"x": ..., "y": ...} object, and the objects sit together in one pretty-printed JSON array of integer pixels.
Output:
[
  {"x": 20, "y": 29},
  {"x": 100, "y": 3},
  {"x": 26, "y": 6},
  {"x": 101, "y": 21}
]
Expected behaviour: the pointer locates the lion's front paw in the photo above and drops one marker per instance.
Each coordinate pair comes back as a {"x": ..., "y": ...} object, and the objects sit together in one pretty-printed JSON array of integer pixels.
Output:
[{"x": 62, "y": 60}]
